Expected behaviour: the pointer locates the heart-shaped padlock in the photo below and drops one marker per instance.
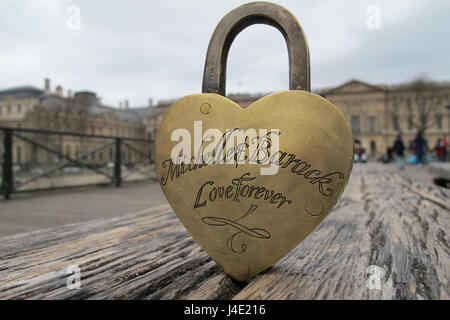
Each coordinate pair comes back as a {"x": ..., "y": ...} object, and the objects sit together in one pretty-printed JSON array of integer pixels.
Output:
[{"x": 250, "y": 184}]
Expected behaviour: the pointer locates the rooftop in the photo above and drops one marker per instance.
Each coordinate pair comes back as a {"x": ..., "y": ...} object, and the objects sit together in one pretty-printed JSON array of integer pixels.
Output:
[
  {"x": 20, "y": 92},
  {"x": 82, "y": 100}
]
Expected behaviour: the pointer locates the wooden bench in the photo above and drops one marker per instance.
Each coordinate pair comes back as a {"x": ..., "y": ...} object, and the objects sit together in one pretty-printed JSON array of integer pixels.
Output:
[{"x": 383, "y": 221}]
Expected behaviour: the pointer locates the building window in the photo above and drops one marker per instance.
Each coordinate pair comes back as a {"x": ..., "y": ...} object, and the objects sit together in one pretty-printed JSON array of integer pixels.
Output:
[
  {"x": 355, "y": 124},
  {"x": 111, "y": 154},
  {"x": 9, "y": 109},
  {"x": 372, "y": 127},
  {"x": 395, "y": 123},
  {"x": 100, "y": 156},
  {"x": 410, "y": 123},
  {"x": 408, "y": 102},
  {"x": 439, "y": 121},
  {"x": 373, "y": 147},
  {"x": 77, "y": 151},
  {"x": 93, "y": 156},
  {"x": 68, "y": 151},
  {"x": 19, "y": 154},
  {"x": 1, "y": 110},
  {"x": 19, "y": 108}
]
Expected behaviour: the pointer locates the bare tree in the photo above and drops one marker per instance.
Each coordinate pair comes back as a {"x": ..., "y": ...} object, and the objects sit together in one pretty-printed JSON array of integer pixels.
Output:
[{"x": 423, "y": 109}]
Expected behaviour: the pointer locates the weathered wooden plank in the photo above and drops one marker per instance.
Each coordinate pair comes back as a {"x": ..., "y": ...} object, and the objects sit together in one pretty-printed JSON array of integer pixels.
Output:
[
  {"x": 392, "y": 223},
  {"x": 440, "y": 170},
  {"x": 382, "y": 220},
  {"x": 126, "y": 258}
]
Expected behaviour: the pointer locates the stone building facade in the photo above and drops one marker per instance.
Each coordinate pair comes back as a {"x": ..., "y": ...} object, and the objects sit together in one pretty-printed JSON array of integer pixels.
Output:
[
  {"x": 83, "y": 112},
  {"x": 376, "y": 114}
]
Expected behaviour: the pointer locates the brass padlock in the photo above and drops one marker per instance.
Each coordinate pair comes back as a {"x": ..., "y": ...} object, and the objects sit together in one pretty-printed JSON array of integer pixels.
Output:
[{"x": 250, "y": 184}]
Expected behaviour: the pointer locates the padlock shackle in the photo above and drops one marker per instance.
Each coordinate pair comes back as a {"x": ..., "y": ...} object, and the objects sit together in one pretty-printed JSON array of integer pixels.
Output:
[{"x": 214, "y": 75}]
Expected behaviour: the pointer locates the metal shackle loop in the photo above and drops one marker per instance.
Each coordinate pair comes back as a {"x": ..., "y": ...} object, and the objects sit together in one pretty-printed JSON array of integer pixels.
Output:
[{"x": 214, "y": 75}]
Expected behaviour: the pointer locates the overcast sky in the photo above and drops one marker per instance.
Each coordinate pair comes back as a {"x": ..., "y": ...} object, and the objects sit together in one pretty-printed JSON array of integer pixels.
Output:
[{"x": 140, "y": 49}]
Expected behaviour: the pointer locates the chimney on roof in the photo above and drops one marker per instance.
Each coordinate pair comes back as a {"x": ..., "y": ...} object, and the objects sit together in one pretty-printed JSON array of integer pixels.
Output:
[
  {"x": 59, "y": 91},
  {"x": 47, "y": 85},
  {"x": 126, "y": 104},
  {"x": 120, "y": 105},
  {"x": 69, "y": 94},
  {"x": 150, "y": 102}
]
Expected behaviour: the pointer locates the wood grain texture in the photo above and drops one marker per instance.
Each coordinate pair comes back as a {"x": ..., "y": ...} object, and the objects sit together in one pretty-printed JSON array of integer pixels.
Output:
[
  {"x": 397, "y": 224},
  {"x": 440, "y": 170}
]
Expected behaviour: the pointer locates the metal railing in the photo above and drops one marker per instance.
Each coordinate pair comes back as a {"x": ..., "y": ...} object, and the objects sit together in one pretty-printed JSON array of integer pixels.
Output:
[{"x": 31, "y": 170}]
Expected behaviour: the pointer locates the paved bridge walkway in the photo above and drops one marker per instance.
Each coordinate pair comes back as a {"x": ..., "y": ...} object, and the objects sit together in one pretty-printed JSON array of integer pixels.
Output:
[{"x": 29, "y": 212}]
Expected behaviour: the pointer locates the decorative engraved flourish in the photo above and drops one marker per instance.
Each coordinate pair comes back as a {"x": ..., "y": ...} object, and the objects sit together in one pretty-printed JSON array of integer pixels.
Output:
[{"x": 258, "y": 233}]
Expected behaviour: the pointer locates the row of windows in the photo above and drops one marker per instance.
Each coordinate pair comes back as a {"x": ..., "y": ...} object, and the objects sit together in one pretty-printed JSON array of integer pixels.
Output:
[
  {"x": 410, "y": 122},
  {"x": 396, "y": 101},
  {"x": 431, "y": 98},
  {"x": 357, "y": 102},
  {"x": 356, "y": 127},
  {"x": 396, "y": 123},
  {"x": 136, "y": 132},
  {"x": 117, "y": 131},
  {"x": 94, "y": 156},
  {"x": 94, "y": 130},
  {"x": 8, "y": 109},
  {"x": 98, "y": 155}
]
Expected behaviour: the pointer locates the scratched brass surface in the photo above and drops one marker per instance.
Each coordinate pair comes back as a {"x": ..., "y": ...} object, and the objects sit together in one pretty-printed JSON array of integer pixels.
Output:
[{"x": 247, "y": 231}]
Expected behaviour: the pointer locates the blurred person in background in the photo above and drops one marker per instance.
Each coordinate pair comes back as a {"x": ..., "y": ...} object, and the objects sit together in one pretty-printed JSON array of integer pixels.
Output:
[
  {"x": 420, "y": 146},
  {"x": 440, "y": 150},
  {"x": 399, "y": 149},
  {"x": 445, "y": 142}
]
